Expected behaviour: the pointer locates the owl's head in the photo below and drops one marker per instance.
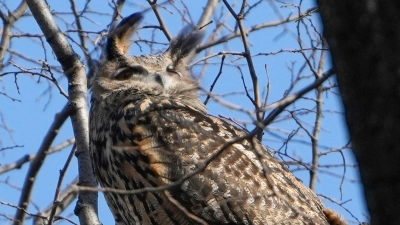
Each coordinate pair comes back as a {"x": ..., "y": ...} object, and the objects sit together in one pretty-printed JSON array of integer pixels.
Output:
[{"x": 165, "y": 74}]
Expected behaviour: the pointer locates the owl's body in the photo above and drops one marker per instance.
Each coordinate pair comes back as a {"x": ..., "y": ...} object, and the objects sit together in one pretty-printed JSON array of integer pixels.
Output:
[{"x": 149, "y": 129}]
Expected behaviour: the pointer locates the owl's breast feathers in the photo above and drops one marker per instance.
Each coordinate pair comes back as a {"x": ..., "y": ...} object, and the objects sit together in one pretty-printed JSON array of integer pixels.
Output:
[{"x": 156, "y": 141}]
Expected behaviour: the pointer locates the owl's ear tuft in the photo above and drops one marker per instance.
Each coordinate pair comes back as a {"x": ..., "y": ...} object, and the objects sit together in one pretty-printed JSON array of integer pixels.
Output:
[
  {"x": 118, "y": 41},
  {"x": 185, "y": 43}
]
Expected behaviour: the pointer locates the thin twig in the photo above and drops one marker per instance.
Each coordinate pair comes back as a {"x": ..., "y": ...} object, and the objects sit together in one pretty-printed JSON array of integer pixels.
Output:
[
  {"x": 37, "y": 163},
  {"x": 10, "y": 147},
  {"x": 164, "y": 29},
  {"x": 254, "y": 28},
  {"x": 33, "y": 214},
  {"x": 215, "y": 80},
  {"x": 60, "y": 181},
  {"x": 247, "y": 54},
  {"x": 27, "y": 158},
  {"x": 8, "y": 22}
]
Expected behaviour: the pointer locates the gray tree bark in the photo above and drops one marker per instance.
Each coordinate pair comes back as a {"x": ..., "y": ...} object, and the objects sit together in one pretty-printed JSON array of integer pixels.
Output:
[
  {"x": 364, "y": 38},
  {"x": 74, "y": 70}
]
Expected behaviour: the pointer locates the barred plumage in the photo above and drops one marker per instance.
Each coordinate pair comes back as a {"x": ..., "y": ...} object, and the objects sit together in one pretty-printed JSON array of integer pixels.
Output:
[{"x": 149, "y": 129}]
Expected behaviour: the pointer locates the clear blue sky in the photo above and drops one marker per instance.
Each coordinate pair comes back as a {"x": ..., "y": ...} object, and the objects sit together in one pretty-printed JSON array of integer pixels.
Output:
[{"x": 31, "y": 118}]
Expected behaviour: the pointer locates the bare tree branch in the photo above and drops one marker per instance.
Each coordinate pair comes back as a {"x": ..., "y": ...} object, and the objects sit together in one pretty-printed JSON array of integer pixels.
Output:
[
  {"x": 57, "y": 201},
  {"x": 163, "y": 27},
  {"x": 8, "y": 22},
  {"x": 254, "y": 28},
  {"x": 27, "y": 158},
  {"x": 247, "y": 54},
  {"x": 32, "y": 214},
  {"x": 75, "y": 72},
  {"x": 37, "y": 163}
]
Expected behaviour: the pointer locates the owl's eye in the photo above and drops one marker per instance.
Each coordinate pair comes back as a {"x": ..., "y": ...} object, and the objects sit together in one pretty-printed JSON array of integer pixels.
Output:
[
  {"x": 172, "y": 69},
  {"x": 127, "y": 72}
]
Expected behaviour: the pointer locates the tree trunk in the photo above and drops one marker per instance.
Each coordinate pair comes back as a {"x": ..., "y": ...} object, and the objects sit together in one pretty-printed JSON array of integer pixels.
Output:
[{"x": 364, "y": 38}]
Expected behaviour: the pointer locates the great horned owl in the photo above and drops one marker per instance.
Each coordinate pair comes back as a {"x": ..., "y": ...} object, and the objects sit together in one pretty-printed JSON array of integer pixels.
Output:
[{"x": 148, "y": 128}]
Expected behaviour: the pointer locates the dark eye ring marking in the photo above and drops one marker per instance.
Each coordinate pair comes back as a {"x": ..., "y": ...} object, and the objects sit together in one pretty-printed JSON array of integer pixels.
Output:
[
  {"x": 171, "y": 68},
  {"x": 129, "y": 71}
]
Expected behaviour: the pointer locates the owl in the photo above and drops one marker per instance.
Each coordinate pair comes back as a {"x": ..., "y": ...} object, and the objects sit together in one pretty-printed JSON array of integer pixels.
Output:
[{"x": 149, "y": 129}]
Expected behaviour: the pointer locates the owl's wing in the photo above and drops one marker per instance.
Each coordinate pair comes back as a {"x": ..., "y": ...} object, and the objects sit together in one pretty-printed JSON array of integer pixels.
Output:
[{"x": 236, "y": 187}]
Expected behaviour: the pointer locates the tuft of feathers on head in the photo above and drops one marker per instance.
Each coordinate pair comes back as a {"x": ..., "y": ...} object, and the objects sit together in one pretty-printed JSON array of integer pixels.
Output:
[
  {"x": 118, "y": 41},
  {"x": 185, "y": 43}
]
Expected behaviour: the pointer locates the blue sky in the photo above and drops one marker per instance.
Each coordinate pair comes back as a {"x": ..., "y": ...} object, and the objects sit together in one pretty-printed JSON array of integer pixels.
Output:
[{"x": 31, "y": 118}]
